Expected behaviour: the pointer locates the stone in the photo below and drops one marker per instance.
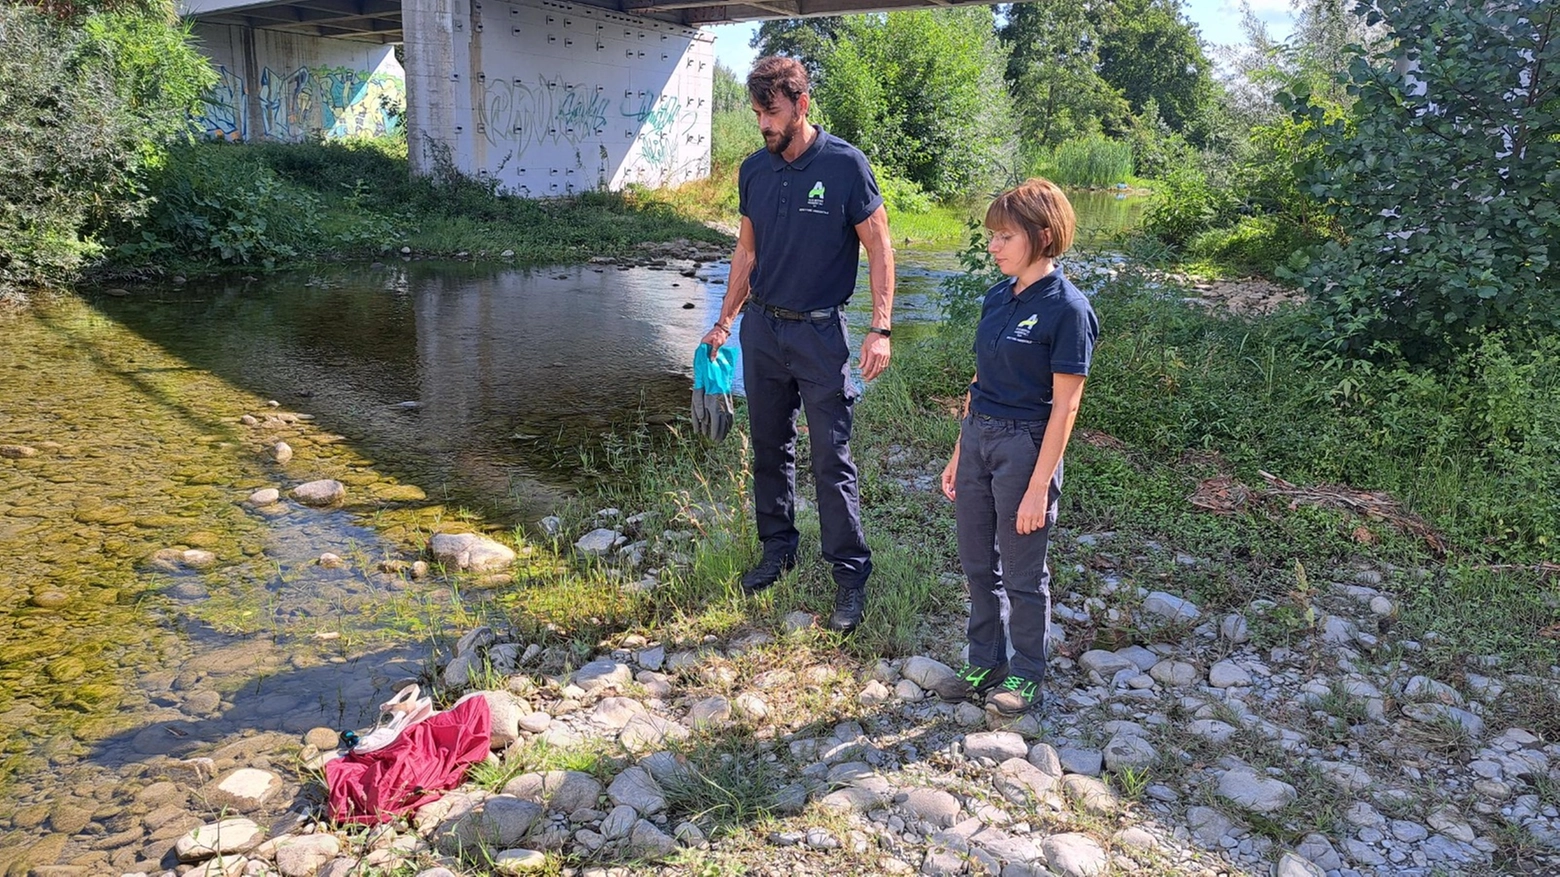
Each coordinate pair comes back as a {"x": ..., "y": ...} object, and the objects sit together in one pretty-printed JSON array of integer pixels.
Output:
[
  {"x": 1212, "y": 730},
  {"x": 1074, "y": 855},
  {"x": 1235, "y": 629},
  {"x": 875, "y": 693},
  {"x": 998, "y": 746},
  {"x": 562, "y": 790},
  {"x": 1021, "y": 782},
  {"x": 599, "y": 542},
  {"x": 302, "y": 855},
  {"x": 646, "y": 841},
  {"x": 246, "y": 788},
  {"x": 924, "y": 671},
  {"x": 17, "y": 452},
  {"x": 1434, "y": 713},
  {"x": 1074, "y": 759},
  {"x": 470, "y": 552},
  {"x": 1208, "y": 825},
  {"x": 1246, "y": 788},
  {"x": 320, "y": 494},
  {"x": 215, "y": 838},
  {"x": 1090, "y": 794},
  {"x": 1171, "y": 609},
  {"x": 615, "y": 712},
  {"x": 709, "y": 712},
  {"x": 1176, "y": 674},
  {"x": 1103, "y": 666},
  {"x": 1292, "y": 865},
  {"x": 933, "y": 806},
  {"x": 500, "y": 821},
  {"x": 1045, "y": 757},
  {"x": 519, "y": 861},
  {"x": 1129, "y": 752},
  {"x": 650, "y": 732},
  {"x": 461, "y": 670},
  {"x": 651, "y": 658},
  {"x": 602, "y": 673},
  {"x": 1349, "y": 777},
  {"x": 265, "y": 496},
  {"x": 1228, "y": 674},
  {"x": 619, "y": 822},
  {"x": 281, "y": 452},
  {"x": 636, "y": 788}
]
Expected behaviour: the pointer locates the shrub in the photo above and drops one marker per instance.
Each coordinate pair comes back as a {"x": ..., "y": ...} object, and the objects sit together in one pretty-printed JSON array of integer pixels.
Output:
[
  {"x": 1185, "y": 206},
  {"x": 1094, "y": 161}
]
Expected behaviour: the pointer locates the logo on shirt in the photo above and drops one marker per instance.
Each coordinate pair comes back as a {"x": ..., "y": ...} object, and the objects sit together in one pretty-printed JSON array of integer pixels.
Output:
[
  {"x": 1021, "y": 331},
  {"x": 817, "y": 193}
]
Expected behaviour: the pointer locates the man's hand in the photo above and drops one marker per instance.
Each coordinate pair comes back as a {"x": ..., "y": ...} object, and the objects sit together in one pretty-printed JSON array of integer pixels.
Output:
[
  {"x": 1032, "y": 509},
  {"x": 949, "y": 475},
  {"x": 715, "y": 337},
  {"x": 875, "y": 351}
]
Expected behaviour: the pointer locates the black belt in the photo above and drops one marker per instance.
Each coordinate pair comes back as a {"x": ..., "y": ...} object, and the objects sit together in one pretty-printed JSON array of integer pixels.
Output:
[{"x": 788, "y": 314}]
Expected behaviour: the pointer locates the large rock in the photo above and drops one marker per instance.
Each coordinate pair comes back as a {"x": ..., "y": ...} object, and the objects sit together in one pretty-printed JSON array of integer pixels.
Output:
[
  {"x": 1103, "y": 666},
  {"x": 1129, "y": 752},
  {"x": 650, "y": 732},
  {"x": 518, "y": 861},
  {"x": 497, "y": 823},
  {"x": 998, "y": 746},
  {"x": 302, "y": 855},
  {"x": 320, "y": 494},
  {"x": 934, "y": 806},
  {"x": 245, "y": 789},
  {"x": 470, "y": 552},
  {"x": 645, "y": 841},
  {"x": 602, "y": 673},
  {"x": 1246, "y": 788},
  {"x": 562, "y": 790},
  {"x": 599, "y": 542},
  {"x": 1075, "y": 855},
  {"x": 636, "y": 788},
  {"x": 1170, "y": 608},
  {"x": 1021, "y": 782},
  {"x": 214, "y": 838},
  {"x": 924, "y": 671}
]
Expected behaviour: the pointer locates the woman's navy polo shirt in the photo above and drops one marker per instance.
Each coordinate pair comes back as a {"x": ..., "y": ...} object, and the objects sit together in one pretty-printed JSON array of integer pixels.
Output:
[
  {"x": 1022, "y": 340},
  {"x": 804, "y": 216}
]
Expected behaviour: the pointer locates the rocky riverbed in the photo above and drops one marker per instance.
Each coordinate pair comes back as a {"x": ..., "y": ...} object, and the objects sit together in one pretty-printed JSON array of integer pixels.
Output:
[{"x": 1192, "y": 750}]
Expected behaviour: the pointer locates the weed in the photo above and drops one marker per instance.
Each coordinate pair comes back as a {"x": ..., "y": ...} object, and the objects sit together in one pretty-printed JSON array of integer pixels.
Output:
[{"x": 724, "y": 786}]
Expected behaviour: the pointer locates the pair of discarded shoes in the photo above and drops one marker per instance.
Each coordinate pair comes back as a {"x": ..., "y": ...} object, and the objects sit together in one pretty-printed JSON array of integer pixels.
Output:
[{"x": 395, "y": 715}]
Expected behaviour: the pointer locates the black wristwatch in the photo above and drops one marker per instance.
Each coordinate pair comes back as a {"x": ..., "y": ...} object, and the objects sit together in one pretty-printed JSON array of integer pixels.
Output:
[{"x": 880, "y": 330}]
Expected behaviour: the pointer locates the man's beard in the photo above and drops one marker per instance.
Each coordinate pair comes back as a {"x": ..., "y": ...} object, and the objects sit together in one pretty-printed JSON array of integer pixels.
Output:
[{"x": 784, "y": 142}]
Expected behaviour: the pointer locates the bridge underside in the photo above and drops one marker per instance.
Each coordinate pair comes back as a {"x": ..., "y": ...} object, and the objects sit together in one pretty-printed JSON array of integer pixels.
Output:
[{"x": 379, "y": 21}]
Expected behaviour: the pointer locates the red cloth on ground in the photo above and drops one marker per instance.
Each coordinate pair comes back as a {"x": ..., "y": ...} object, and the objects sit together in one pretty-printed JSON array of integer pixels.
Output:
[{"x": 424, "y": 761}]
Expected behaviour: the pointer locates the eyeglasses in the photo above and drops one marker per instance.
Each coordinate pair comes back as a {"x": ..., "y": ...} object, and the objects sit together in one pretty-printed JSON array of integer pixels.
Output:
[{"x": 1000, "y": 238}]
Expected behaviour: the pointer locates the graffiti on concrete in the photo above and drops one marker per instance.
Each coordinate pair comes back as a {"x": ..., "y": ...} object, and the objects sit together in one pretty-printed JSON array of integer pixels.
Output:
[
  {"x": 331, "y": 102},
  {"x": 664, "y": 123},
  {"x": 222, "y": 111},
  {"x": 522, "y": 114}
]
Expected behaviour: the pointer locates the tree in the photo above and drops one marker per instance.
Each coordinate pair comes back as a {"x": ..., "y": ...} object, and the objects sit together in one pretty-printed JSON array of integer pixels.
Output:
[
  {"x": 808, "y": 40},
  {"x": 1148, "y": 51},
  {"x": 1052, "y": 74},
  {"x": 1444, "y": 178},
  {"x": 922, "y": 94}
]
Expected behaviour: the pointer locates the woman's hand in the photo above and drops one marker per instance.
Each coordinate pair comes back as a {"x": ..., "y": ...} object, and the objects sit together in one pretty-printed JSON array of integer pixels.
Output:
[
  {"x": 949, "y": 473},
  {"x": 1032, "y": 509}
]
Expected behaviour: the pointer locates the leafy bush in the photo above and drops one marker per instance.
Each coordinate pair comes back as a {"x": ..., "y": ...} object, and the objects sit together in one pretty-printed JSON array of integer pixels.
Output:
[
  {"x": 1443, "y": 182},
  {"x": 902, "y": 196},
  {"x": 1094, "y": 161},
  {"x": 82, "y": 108},
  {"x": 1186, "y": 205}
]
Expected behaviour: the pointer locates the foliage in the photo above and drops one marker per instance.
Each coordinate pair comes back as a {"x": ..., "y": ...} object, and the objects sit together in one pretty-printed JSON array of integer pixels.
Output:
[
  {"x": 1186, "y": 205},
  {"x": 808, "y": 40},
  {"x": 961, "y": 294},
  {"x": 1444, "y": 180},
  {"x": 902, "y": 196},
  {"x": 1052, "y": 72},
  {"x": 920, "y": 93},
  {"x": 1093, "y": 161},
  {"x": 1149, "y": 51},
  {"x": 82, "y": 106},
  {"x": 1156, "y": 150},
  {"x": 728, "y": 94}
]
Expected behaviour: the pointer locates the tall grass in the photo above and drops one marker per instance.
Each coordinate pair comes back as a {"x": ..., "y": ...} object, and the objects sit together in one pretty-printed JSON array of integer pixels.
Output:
[{"x": 1092, "y": 161}]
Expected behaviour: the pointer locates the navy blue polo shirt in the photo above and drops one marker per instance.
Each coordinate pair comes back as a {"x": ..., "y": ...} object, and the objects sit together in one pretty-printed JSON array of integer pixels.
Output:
[
  {"x": 1022, "y": 340},
  {"x": 804, "y": 216}
]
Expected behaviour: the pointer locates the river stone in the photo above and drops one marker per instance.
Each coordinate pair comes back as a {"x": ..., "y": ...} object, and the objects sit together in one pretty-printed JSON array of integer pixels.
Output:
[
  {"x": 1176, "y": 674},
  {"x": 650, "y": 732},
  {"x": 602, "y": 673},
  {"x": 302, "y": 856},
  {"x": 1021, "y": 782},
  {"x": 320, "y": 494},
  {"x": 17, "y": 452},
  {"x": 245, "y": 789},
  {"x": 461, "y": 670},
  {"x": 619, "y": 822},
  {"x": 998, "y": 746},
  {"x": 930, "y": 805},
  {"x": 281, "y": 452},
  {"x": 197, "y": 559},
  {"x": 1089, "y": 793},
  {"x": 1088, "y": 762},
  {"x": 1235, "y": 628},
  {"x": 265, "y": 496},
  {"x": 709, "y": 711},
  {"x": 1246, "y": 788},
  {"x": 600, "y": 541},
  {"x": 470, "y": 552},
  {"x": 645, "y": 841},
  {"x": 1171, "y": 608},
  {"x": 1228, "y": 674},
  {"x": 1103, "y": 664},
  {"x": 562, "y": 790},
  {"x": 925, "y": 672},
  {"x": 222, "y": 866},
  {"x": 1129, "y": 752},
  {"x": 1074, "y": 855},
  {"x": 636, "y": 788},
  {"x": 1212, "y": 730},
  {"x": 213, "y": 838},
  {"x": 500, "y": 821},
  {"x": 49, "y": 599},
  {"x": 1432, "y": 713},
  {"x": 519, "y": 861},
  {"x": 615, "y": 712},
  {"x": 1292, "y": 865},
  {"x": 504, "y": 711}
]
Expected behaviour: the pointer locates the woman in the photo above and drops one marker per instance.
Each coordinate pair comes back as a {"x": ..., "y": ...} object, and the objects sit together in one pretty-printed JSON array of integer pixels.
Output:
[{"x": 1032, "y": 351}]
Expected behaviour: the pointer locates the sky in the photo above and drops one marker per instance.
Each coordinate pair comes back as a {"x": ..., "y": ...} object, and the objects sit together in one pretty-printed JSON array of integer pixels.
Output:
[{"x": 1217, "y": 20}]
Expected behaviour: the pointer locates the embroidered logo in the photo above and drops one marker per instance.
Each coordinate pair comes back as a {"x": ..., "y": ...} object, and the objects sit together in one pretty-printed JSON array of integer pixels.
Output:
[{"x": 817, "y": 191}]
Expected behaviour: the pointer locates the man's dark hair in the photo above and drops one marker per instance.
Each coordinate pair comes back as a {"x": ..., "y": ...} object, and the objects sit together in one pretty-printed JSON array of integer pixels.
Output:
[{"x": 776, "y": 75}]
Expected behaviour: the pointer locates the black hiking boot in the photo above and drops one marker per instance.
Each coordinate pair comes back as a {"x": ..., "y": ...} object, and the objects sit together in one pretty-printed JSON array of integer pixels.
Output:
[{"x": 768, "y": 571}]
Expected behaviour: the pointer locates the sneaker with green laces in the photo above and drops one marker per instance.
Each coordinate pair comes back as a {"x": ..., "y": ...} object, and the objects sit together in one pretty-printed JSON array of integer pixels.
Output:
[
  {"x": 969, "y": 683},
  {"x": 1018, "y": 696}
]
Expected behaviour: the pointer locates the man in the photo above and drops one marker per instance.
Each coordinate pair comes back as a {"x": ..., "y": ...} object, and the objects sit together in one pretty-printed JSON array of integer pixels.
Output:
[{"x": 809, "y": 202}]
